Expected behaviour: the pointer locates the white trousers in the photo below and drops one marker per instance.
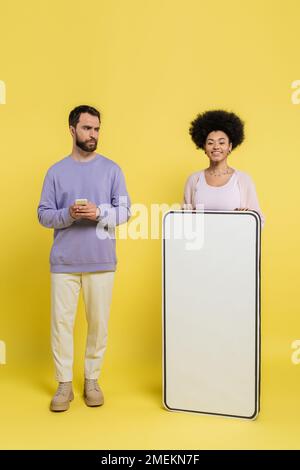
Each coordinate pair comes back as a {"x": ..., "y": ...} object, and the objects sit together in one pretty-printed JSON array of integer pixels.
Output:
[{"x": 97, "y": 294}]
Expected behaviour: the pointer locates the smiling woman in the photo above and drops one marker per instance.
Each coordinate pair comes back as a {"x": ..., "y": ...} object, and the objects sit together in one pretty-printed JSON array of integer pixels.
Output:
[{"x": 219, "y": 187}]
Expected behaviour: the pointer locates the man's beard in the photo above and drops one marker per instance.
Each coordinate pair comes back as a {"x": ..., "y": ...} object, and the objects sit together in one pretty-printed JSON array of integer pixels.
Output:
[{"x": 86, "y": 145}]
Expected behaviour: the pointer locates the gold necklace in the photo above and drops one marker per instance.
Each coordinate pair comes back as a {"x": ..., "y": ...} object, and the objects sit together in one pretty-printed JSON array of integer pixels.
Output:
[{"x": 226, "y": 172}]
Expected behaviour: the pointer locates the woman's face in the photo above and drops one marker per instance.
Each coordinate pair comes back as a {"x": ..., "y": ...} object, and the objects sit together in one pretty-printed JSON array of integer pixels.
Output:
[{"x": 217, "y": 146}]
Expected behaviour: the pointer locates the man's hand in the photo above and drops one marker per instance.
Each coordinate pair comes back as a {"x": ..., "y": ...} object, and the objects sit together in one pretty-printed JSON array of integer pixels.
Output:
[
  {"x": 88, "y": 211},
  {"x": 73, "y": 212}
]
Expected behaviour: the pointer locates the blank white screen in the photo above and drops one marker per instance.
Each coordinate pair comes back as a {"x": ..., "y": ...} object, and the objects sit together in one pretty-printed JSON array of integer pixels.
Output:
[{"x": 211, "y": 313}]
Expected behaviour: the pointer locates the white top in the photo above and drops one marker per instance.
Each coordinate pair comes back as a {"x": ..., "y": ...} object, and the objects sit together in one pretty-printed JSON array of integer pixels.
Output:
[
  {"x": 248, "y": 196},
  {"x": 226, "y": 197}
]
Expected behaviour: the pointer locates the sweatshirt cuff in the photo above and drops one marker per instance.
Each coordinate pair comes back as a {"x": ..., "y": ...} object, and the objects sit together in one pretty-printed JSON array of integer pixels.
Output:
[
  {"x": 104, "y": 212},
  {"x": 68, "y": 219}
]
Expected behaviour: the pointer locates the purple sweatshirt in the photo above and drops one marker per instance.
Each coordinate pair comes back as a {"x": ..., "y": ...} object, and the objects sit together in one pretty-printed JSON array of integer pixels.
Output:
[{"x": 77, "y": 246}]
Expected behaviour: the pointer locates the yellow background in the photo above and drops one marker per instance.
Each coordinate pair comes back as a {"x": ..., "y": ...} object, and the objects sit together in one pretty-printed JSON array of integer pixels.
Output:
[{"x": 150, "y": 66}]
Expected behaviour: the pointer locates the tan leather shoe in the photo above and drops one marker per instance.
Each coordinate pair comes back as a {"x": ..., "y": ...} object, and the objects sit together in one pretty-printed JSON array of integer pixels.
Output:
[
  {"x": 93, "y": 395},
  {"x": 61, "y": 400}
]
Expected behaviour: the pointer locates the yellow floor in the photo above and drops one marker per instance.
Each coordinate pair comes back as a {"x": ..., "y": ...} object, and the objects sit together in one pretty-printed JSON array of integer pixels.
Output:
[{"x": 133, "y": 417}]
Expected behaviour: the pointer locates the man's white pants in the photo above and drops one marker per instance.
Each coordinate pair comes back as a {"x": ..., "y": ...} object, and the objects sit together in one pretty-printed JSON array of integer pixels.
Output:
[{"x": 97, "y": 294}]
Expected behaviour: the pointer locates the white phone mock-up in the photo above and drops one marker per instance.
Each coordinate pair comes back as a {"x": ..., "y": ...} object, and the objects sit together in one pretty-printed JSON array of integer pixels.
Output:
[{"x": 211, "y": 312}]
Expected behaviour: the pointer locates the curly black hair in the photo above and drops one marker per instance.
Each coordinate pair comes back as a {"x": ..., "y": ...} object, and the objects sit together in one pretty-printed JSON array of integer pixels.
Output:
[{"x": 217, "y": 120}]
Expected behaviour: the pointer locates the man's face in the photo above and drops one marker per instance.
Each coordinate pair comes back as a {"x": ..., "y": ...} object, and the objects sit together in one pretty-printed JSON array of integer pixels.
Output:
[{"x": 86, "y": 133}]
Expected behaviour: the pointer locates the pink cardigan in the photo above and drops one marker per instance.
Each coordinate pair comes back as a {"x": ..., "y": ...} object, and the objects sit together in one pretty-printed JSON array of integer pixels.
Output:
[{"x": 249, "y": 198}]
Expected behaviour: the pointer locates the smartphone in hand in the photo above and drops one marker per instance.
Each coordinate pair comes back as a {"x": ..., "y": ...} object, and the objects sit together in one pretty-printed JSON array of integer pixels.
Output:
[{"x": 81, "y": 202}]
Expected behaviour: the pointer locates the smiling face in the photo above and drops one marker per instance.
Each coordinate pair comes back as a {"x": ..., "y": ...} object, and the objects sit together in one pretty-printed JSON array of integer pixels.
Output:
[
  {"x": 217, "y": 146},
  {"x": 86, "y": 133}
]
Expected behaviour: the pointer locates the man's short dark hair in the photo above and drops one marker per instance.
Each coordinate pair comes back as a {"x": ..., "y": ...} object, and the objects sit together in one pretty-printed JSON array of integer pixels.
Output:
[
  {"x": 217, "y": 120},
  {"x": 74, "y": 115}
]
